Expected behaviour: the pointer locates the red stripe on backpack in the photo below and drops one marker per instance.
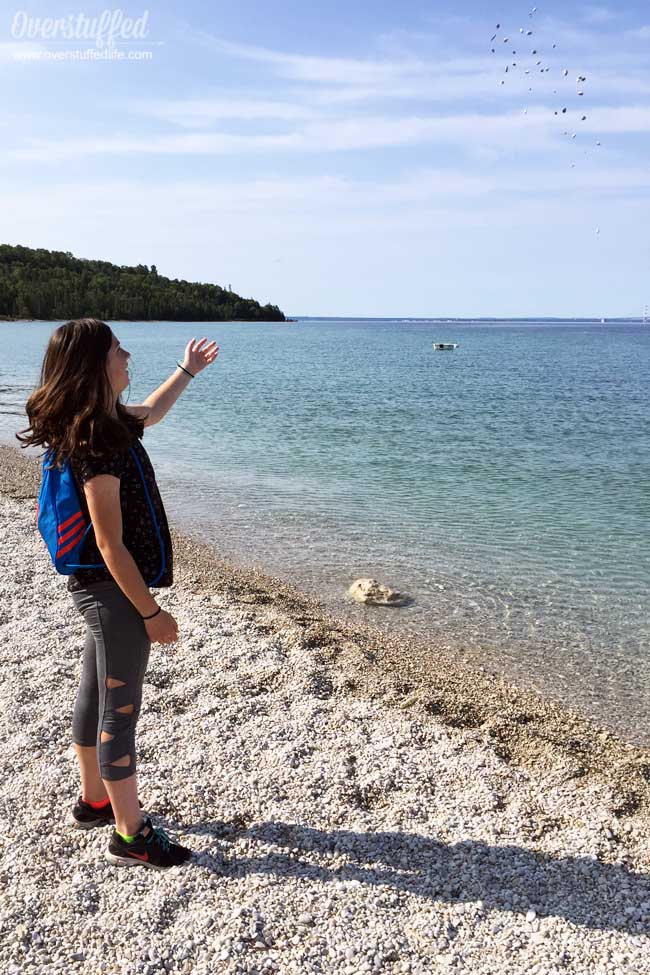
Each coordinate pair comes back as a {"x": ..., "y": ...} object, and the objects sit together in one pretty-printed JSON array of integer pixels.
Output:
[
  {"x": 71, "y": 544},
  {"x": 65, "y": 524},
  {"x": 73, "y": 531}
]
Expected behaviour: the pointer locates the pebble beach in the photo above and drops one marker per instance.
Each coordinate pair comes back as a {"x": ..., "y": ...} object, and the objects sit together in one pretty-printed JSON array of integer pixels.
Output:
[{"x": 357, "y": 803}]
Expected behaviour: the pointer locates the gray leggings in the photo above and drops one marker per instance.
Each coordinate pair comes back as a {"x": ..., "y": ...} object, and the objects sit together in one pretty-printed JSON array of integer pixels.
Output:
[{"x": 116, "y": 653}]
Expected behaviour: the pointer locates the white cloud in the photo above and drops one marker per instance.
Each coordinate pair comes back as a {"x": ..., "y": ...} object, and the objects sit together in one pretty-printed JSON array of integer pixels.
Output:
[
  {"x": 326, "y": 136},
  {"x": 455, "y": 82},
  {"x": 323, "y": 82},
  {"x": 202, "y": 112},
  {"x": 640, "y": 33},
  {"x": 626, "y": 119},
  {"x": 186, "y": 145},
  {"x": 599, "y": 15},
  {"x": 509, "y": 132},
  {"x": 287, "y": 199},
  {"x": 314, "y": 68}
]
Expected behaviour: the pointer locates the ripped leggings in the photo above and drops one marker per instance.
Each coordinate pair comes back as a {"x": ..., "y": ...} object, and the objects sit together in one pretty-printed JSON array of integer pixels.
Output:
[{"x": 116, "y": 653}]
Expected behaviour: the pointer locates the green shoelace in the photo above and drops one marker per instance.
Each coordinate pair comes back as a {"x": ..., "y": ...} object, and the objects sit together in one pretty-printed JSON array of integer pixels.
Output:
[{"x": 161, "y": 838}]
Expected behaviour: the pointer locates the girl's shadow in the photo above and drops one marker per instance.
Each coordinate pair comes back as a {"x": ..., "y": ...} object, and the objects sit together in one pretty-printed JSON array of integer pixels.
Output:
[{"x": 582, "y": 890}]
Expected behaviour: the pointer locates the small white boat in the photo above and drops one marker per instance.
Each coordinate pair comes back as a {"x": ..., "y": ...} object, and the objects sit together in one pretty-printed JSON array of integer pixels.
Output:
[{"x": 444, "y": 346}]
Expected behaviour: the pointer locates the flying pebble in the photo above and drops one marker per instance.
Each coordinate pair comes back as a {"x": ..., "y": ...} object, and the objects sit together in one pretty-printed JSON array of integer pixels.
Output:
[
  {"x": 565, "y": 72},
  {"x": 493, "y": 38},
  {"x": 521, "y": 30},
  {"x": 597, "y": 230},
  {"x": 529, "y": 33},
  {"x": 598, "y": 143},
  {"x": 564, "y": 111},
  {"x": 573, "y": 136},
  {"x": 584, "y": 118}
]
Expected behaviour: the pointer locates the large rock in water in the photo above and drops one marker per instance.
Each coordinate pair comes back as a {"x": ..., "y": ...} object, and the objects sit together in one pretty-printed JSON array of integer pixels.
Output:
[{"x": 373, "y": 592}]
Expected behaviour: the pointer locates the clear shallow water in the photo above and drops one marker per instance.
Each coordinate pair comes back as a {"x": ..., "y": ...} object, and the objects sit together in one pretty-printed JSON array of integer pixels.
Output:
[{"x": 504, "y": 486}]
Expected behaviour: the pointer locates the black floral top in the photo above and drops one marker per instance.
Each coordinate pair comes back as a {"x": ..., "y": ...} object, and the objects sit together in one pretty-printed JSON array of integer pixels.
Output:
[{"x": 138, "y": 530}]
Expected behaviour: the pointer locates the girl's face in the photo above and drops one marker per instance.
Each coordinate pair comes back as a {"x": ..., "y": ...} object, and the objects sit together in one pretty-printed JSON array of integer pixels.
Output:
[{"x": 117, "y": 367}]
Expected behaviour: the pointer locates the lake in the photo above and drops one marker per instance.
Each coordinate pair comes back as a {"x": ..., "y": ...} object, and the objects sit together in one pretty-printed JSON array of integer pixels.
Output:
[{"x": 505, "y": 486}]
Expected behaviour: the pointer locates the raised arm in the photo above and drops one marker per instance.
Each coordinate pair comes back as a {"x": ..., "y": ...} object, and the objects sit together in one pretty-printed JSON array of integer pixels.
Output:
[{"x": 162, "y": 399}]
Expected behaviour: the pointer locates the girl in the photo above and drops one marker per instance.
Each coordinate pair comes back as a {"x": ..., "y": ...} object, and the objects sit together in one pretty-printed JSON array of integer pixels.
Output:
[{"x": 77, "y": 411}]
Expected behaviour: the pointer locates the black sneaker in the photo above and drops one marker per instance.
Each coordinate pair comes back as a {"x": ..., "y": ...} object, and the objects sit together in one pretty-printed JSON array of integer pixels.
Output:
[
  {"x": 154, "y": 850},
  {"x": 85, "y": 817}
]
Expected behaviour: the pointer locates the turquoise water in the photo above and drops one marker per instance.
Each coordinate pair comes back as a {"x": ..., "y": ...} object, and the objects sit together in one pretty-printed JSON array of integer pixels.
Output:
[{"x": 504, "y": 486}]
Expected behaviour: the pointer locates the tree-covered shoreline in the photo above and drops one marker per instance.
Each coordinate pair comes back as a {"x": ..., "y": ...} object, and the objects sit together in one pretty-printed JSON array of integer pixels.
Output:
[{"x": 54, "y": 285}]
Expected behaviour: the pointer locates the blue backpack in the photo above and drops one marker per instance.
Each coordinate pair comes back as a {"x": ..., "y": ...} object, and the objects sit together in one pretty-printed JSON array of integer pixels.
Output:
[{"x": 61, "y": 522}]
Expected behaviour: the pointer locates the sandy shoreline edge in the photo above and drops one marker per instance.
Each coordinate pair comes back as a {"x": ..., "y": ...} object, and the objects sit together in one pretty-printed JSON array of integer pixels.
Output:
[{"x": 523, "y": 728}]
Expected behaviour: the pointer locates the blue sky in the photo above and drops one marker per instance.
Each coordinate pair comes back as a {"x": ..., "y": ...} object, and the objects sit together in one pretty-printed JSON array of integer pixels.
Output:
[{"x": 345, "y": 158}]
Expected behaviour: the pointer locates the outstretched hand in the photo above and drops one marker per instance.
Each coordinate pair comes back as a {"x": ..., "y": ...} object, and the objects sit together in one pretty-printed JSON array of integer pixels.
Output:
[{"x": 197, "y": 358}]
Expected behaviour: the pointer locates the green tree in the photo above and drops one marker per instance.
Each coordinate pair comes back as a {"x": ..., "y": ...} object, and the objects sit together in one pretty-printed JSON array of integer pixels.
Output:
[{"x": 56, "y": 285}]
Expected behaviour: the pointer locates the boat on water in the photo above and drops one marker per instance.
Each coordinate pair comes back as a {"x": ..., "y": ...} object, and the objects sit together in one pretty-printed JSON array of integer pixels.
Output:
[{"x": 444, "y": 346}]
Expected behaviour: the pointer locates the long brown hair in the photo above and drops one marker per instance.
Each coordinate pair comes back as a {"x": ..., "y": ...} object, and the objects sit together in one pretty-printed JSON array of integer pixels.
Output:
[{"x": 70, "y": 410}]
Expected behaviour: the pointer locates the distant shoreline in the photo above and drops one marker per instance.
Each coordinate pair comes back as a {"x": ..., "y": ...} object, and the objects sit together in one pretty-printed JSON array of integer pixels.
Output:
[
  {"x": 358, "y": 318},
  {"x": 531, "y": 319}
]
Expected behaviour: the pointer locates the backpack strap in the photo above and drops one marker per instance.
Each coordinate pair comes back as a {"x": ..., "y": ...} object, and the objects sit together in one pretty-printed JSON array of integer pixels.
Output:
[{"x": 163, "y": 560}]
